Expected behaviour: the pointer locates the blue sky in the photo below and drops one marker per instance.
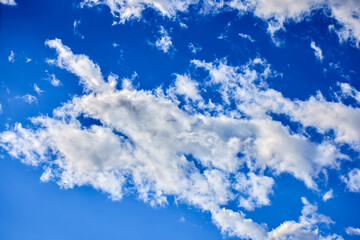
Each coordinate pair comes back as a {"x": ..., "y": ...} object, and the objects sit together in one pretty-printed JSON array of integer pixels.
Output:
[{"x": 156, "y": 119}]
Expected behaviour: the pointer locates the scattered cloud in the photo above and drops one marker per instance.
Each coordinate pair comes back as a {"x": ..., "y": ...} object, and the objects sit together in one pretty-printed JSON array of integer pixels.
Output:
[
  {"x": 235, "y": 224},
  {"x": 8, "y": 2},
  {"x": 28, "y": 98},
  {"x": 53, "y": 80},
  {"x": 11, "y": 57},
  {"x": 352, "y": 180},
  {"x": 224, "y": 34},
  {"x": 37, "y": 89},
  {"x": 347, "y": 13},
  {"x": 352, "y": 231},
  {"x": 328, "y": 195},
  {"x": 277, "y": 13},
  {"x": 317, "y": 51},
  {"x": 245, "y": 36},
  {"x": 274, "y": 12},
  {"x": 349, "y": 91},
  {"x": 194, "y": 48},
  {"x": 128, "y": 10},
  {"x": 164, "y": 43},
  {"x": 76, "y": 31},
  {"x": 183, "y": 25},
  {"x": 182, "y": 219},
  {"x": 116, "y": 45}
]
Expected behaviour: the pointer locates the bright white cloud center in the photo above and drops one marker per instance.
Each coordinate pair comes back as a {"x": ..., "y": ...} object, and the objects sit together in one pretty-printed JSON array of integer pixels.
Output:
[{"x": 144, "y": 140}]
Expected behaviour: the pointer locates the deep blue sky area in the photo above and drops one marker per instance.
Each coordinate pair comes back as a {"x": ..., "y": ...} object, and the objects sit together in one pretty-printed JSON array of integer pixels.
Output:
[{"x": 32, "y": 209}]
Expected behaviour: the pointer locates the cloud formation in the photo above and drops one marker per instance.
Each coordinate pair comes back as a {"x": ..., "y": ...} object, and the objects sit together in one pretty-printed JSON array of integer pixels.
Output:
[
  {"x": 11, "y": 57},
  {"x": 305, "y": 228},
  {"x": 144, "y": 142},
  {"x": 352, "y": 231},
  {"x": 28, "y": 98},
  {"x": 275, "y": 12},
  {"x": 164, "y": 43},
  {"x": 328, "y": 195},
  {"x": 352, "y": 180},
  {"x": 8, "y": 2},
  {"x": 317, "y": 51}
]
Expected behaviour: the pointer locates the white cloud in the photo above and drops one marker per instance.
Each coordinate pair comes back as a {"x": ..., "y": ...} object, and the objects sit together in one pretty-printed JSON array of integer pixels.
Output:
[
  {"x": 277, "y": 9},
  {"x": 328, "y": 195},
  {"x": 37, "y": 89},
  {"x": 53, "y": 80},
  {"x": 224, "y": 34},
  {"x": 352, "y": 231},
  {"x": 305, "y": 228},
  {"x": 254, "y": 100},
  {"x": 79, "y": 65},
  {"x": 11, "y": 57},
  {"x": 125, "y": 10},
  {"x": 1, "y": 110},
  {"x": 183, "y": 25},
  {"x": 29, "y": 146},
  {"x": 347, "y": 13},
  {"x": 275, "y": 12},
  {"x": 235, "y": 224},
  {"x": 76, "y": 31},
  {"x": 194, "y": 48},
  {"x": 182, "y": 219},
  {"x": 28, "y": 98},
  {"x": 352, "y": 180},
  {"x": 349, "y": 91},
  {"x": 186, "y": 87},
  {"x": 317, "y": 51},
  {"x": 255, "y": 188},
  {"x": 8, "y": 2},
  {"x": 245, "y": 36},
  {"x": 145, "y": 140},
  {"x": 164, "y": 43}
]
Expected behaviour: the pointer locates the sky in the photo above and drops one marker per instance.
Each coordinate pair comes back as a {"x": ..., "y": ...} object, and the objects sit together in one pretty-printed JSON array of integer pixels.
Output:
[{"x": 180, "y": 119}]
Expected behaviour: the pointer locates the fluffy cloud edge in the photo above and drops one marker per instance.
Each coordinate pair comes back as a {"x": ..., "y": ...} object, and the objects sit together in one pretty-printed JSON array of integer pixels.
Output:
[
  {"x": 275, "y": 13},
  {"x": 133, "y": 142}
]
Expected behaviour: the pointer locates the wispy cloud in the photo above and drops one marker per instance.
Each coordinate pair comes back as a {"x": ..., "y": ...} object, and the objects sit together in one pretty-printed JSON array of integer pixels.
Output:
[
  {"x": 352, "y": 180},
  {"x": 11, "y": 57},
  {"x": 274, "y": 12},
  {"x": 194, "y": 48},
  {"x": 164, "y": 42},
  {"x": 76, "y": 31},
  {"x": 245, "y": 36},
  {"x": 28, "y": 98},
  {"x": 53, "y": 80},
  {"x": 37, "y": 89},
  {"x": 317, "y": 51},
  {"x": 353, "y": 231}
]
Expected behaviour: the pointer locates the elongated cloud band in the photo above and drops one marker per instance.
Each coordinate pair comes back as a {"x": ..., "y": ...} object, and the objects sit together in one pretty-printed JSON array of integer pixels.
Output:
[{"x": 205, "y": 153}]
